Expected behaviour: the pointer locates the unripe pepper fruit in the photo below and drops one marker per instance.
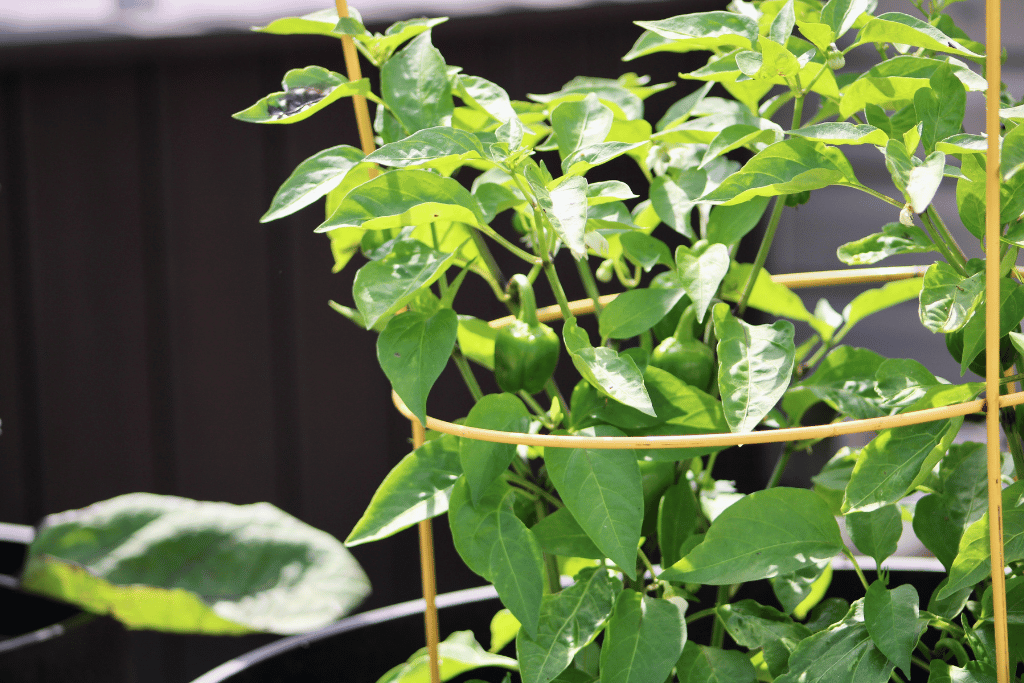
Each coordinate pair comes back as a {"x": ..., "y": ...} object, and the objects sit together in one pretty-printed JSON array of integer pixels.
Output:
[
  {"x": 955, "y": 346},
  {"x": 689, "y": 359},
  {"x": 526, "y": 351}
]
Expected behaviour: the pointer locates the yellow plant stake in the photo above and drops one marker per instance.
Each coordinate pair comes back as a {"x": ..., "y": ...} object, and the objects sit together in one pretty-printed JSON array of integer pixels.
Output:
[
  {"x": 993, "y": 50},
  {"x": 427, "y": 576}
]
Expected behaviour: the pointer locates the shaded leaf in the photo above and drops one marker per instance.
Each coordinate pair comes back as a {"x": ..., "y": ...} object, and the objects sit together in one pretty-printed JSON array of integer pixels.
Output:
[
  {"x": 701, "y": 270},
  {"x": 643, "y": 639},
  {"x": 703, "y": 664},
  {"x": 637, "y": 310},
  {"x": 876, "y": 533},
  {"x": 413, "y": 350},
  {"x": 484, "y": 461},
  {"x": 560, "y": 534},
  {"x": 891, "y": 618}
]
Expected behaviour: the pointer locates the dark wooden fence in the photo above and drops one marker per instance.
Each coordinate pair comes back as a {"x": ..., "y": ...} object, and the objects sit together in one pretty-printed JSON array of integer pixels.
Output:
[{"x": 155, "y": 337}]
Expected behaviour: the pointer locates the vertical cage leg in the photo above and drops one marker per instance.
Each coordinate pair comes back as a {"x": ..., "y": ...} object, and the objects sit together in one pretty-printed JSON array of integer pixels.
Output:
[{"x": 427, "y": 576}]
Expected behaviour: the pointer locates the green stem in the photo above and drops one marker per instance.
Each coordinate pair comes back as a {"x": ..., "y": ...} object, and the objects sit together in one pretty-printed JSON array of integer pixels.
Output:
[
  {"x": 705, "y": 476},
  {"x": 527, "y": 301},
  {"x": 718, "y": 632},
  {"x": 940, "y": 244},
  {"x": 554, "y": 393},
  {"x": 856, "y": 568},
  {"x": 762, "y": 253},
  {"x": 647, "y": 563},
  {"x": 550, "y": 561},
  {"x": 525, "y": 255},
  {"x": 947, "y": 235},
  {"x": 485, "y": 252},
  {"x": 780, "y": 467},
  {"x": 1011, "y": 378},
  {"x": 711, "y": 611},
  {"x": 556, "y": 289},
  {"x": 873, "y": 193},
  {"x": 589, "y": 284},
  {"x": 774, "y": 107},
  {"x": 896, "y": 677},
  {"x": 467, "y": 374},
  {"x": 798, "y": 110},
  {"x": 538, "y": 410},
  {"x": 523, "y": 482}
]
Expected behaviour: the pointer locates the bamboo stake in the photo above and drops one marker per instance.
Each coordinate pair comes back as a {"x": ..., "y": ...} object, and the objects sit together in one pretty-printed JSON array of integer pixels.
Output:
[
  {"x": 426, "y": 535},
  {"x": 993, "y": 53}
]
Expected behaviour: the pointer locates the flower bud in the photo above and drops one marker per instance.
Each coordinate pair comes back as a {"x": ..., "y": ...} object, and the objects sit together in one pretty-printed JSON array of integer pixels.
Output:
[
  {"x": 605, "y": 270},
  {"x": 907, "y": 216},
  {"x": 834, "y": 58}
]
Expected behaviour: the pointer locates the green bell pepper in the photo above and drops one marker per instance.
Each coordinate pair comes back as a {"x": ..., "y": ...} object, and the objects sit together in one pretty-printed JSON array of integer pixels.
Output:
[
  {"x": 689, "y": 359},
  {"x": 526, "y": 351}
]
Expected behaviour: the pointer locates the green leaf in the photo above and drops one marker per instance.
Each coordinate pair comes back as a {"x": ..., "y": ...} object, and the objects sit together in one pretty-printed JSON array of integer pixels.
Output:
[
  {"x": 701, "y": 270},
  {"x": 753, "y": 625},
  {"x": 637, "y": 310},
  {"x": 379, "y": 48},
  {"x": 306, "y": 91},
  {"x": 787, "y": 167},
  {"x": 416, "y": 489},
  {"x": 577, "y": 125},
  {"x": 476, "y": 340},
  {"x": 581, "y": 161},
  {"x": 901, "y": 29},
  {"x": 643, "y": 638},
  {"x": 891, "y": 618},
  {"x": 614, "y": 375},
  {"x": 941, "y": 107},
  {"x": 405, "y": 197},
  {"x": 770, "y": 297},
  {"x": 889, "y": 465},
  {"x": 320, "y": 23},
  {"x": 844, "y": 649},
  {"x": 924, "y": 180},
  {"x": 876, "y": 533},
  {"x": 560, "y": 534},
  {"x": 782, "y": 25},
  {"x": 428, "y": 145},
  {"x": 973, "y": 562},
  {"x": 1011, "y": 160},
  {"x": 948, "y": 300},
  {"x": 494, "y": 543},
  {"x": 677, "y": 519},
  {"x": 729, "y": 224},
  {"x": 768, "y": 533},
  {"x": 484, "y": 461},
  {"x": 874, "y": 300},
  {"x": 755, "y": 366},
  {"x": 697, "y": 31},
  {"x": 894, "y": 239},
  {"x": 569, "y": 619},
  {"x": 504, "y": 628},
  {"x": 742, "y": 135},
  {"x": 177, "y": 565},
  {"x": 840, "y": 15},
  {"x": 414, "y": 84},
  {"x": 943, "y": 672},
  {"x": 486, "y": 96},
  {"x": 673, "y": 197},
  {"x": 312, "y": 179},
  {"x": 644, "y": 250},
  {"x": 703, "y": 664},
  {"x": 940, "y": 520},
  {"x": 413, "y": 350},
  {"x": 681, "y": 109},
  {"x": 604, "y": 492},
  {"x": 457, "y": 654},
  {"x": 566, "y": 208},
  {"x": 888, "y": 92},
  {"x": 843, "y": 133},
  {"x": 1011, "y": 312},
  {"x": 800, "y": 591},
  {"x": 845, "y": 380}
]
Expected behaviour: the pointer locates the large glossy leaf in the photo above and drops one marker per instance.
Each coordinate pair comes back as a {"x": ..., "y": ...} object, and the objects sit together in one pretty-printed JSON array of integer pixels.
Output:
[
  {"x": 604, "y": 492},
  {"x": 568, "y": 620},
  {"x": 1011, "y": 312},
  {"x": 888, "y": 92},
  {"x": 948, "y": 300},
  {"x": 560, "y": 534},
  {"x": 416, "y": 489},
  {"x": 637, "y": 310},
  {"x": 643, "y": 639},
  {"x": 703, "y": 664},
  {"x": 487, "y": 96},
  {"x": 494, "y": 543},
  {"x": 894, "y": 239},
  {"x": 753, "y": 625},
  {"x": 790, "y": 166},
  {"x": 973, "y": 561},
  {"x": 876, "y": 533},
  {"x": 940, "y": 519},
  {"x": 306, "y": 91},
  {"x": 891, "y": 463},
  {"x": 898, "y": 28},
  {"x": 484, "y": 461},
  {"x": 843, "y": 133},
  {"x": 843, "y": 651},
  {"x": 891, "y": 617},
  {"x": 940, "y": 107},
  {"x": 173, "y": 564},
  {"x": 414, "y": 84},
  {"x": 312, "y": 179},
  {"x": 755, "y": 365},
  {"x": 768, "y": 533},
  {"x": 413, "y": 350},
  {"x": 874, "y": 300},
  {"x": 924, "y": 180},
  {"x": 405, "y": 197},
  {"x": 840, "y": 15},
  {"x": 674, "y": 196},
  {"x": 577, "y": 125},
  {"x": 729, "y": 224},
  {"x": 428, "y": 145},
  {"x": 457, "y": 654},
  {"x": 701, "y": 270},
  {"x": 614, "y": 375},
  {"x": 697, "y": 31},
  {"x": 770, "y": 297}
]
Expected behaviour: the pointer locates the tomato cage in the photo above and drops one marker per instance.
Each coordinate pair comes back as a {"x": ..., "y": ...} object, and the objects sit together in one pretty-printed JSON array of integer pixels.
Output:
[{"x": 793, "y": 281}]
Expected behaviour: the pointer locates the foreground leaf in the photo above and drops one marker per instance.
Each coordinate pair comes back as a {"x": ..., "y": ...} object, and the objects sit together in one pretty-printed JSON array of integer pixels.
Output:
[
  {"x": 891, "y": 617},
  {"x": 941, "y": 519},
  {"x": 458, "y": 653},
  {"x": 614, "y": 375},
  {"x": 484, "y": 461},
  {"x": 894, "y": 239},
  {"x": 876, "y": 533},
  {"x": 425, "y": 146},
  {"x": 178, "y": 565},
  {"x": 948, "y": 300},
  {"x": 414, "y": 84},
  {"x": 643, "y": 639},
  {"x": 413, "y": 350},
  {"x": 382, "y": 287},
  {"x": 569, "y": 619},
  {"x": 755, "y": 364},
  {"x": 701, "y": 270},
  {"x": 637, "y": 310},
  {"x": 703, "y": 664},
  {"x": 604, "y": 492},
  {"x": 312, "y": 179},
  {"x": 768, "y": 533},
  {"x": 306, "y": 91}
]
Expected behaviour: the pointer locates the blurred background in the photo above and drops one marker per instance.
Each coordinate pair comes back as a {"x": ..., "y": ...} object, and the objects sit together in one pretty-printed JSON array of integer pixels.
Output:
[{"x": 155, "y": 337}]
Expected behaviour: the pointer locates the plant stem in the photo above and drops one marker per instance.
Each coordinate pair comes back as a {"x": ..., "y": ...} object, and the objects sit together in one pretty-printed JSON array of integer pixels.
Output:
[
  {"x": 711, "y": 611},
  {"x": 876, "y": 195},
  {"x": 538, "y": 409},
  {"x": 947, "y": 235},
  {"x": 467, "y": 374},
  {"x": 780, "y": 467},
  {"x": 550, "y": 561},
  {"x": 762, "y": 253},
  {"x": 556, "y": 289},
  {"x": 647, "y": 563},
  {"x": 525, "y": 255},
  {"x": 589, "y": 284},
  {"x": 856, "y": 568},
  {"x": 554, "y": 393},
  {"x": 488, "y": 257},
  {"x": 1008, "y": 418},
  {"x": 941, "y": 245},
  {"x": 718, "y": 632},
  {"x": 523, "y": 482}
]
